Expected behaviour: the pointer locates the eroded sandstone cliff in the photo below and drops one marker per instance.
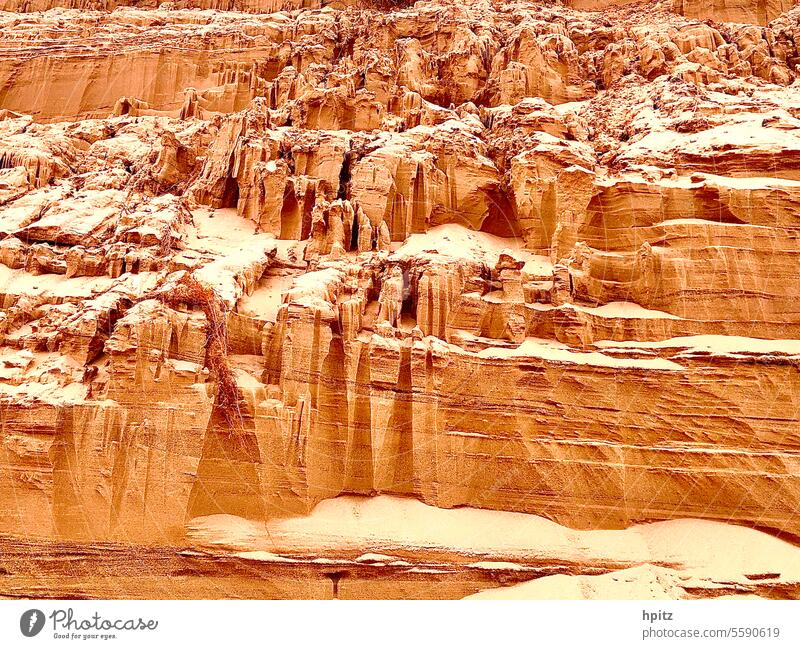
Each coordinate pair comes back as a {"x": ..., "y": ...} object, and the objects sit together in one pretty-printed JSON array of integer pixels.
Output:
[{"x": 537, "y": 258}]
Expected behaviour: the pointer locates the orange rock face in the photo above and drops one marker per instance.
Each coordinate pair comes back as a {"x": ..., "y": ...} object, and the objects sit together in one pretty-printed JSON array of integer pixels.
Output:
[{"x": 276, "y": 265}]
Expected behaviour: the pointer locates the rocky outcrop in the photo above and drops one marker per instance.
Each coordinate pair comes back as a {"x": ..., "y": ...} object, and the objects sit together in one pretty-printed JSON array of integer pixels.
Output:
[
  {"x": 362, "y": 70},
  {"x": 532, "y": 259},
  {"x": 756, "y": 13}
]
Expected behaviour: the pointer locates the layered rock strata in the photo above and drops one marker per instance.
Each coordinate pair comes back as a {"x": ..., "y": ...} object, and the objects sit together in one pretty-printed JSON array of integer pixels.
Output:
[{"x": 522, "y": 257}]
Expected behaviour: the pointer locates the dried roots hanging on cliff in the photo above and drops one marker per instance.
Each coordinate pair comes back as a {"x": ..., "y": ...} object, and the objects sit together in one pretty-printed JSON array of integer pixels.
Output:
[{"x": 196, "y": 294}]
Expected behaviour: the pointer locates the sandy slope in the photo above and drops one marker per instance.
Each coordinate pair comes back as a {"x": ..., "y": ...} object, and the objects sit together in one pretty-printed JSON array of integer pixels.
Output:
[{"x": 655, "y": 560}]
